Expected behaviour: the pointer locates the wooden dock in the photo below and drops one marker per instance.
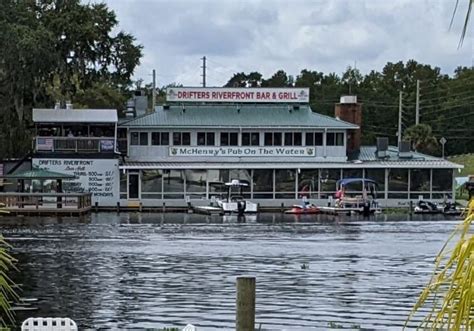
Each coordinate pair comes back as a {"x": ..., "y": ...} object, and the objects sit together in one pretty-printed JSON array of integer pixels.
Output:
[
  {"x": 346, "y": 211},
  {"x": 46, "y": 204}
]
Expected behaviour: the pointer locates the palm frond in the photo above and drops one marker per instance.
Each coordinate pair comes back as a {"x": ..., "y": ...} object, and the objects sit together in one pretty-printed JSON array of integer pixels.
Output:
[
  {"x": 449, "y": 294},
  {"x": 7, "y": 292}
]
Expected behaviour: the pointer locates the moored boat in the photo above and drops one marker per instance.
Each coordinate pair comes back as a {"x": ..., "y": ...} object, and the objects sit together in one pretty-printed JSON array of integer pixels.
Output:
[
  {"x": 303, "y": 210},
  {"x": 235, "y": 203}
]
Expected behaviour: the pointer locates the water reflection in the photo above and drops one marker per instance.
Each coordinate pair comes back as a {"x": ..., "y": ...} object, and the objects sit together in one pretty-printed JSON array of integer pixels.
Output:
[{"x": 133, "y": 270}]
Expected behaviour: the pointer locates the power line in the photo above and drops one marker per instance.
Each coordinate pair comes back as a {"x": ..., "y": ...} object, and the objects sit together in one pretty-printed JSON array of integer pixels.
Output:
[
  {"x": 449, "y": 118},
  {"x": 441, "y": 109},
  {"x": 450, "y": 87},
  {"x": 448, "y": 96}
]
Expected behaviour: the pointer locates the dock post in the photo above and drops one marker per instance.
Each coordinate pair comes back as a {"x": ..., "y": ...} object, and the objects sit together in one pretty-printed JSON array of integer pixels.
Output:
[
  {"x": 96, "y": 206},
  {"x": 164, "y": 207},
  {"x": 411, "y": 208},
  {"x": 140, "y": 206},
  {"x": 282, "y": 208},
  {"x": 245, "y": 305},
  {"x": 118, "y": 207}
]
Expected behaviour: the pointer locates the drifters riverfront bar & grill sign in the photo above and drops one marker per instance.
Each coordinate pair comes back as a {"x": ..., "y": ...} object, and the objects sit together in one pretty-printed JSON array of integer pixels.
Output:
[{"x": 251, "y": 95}]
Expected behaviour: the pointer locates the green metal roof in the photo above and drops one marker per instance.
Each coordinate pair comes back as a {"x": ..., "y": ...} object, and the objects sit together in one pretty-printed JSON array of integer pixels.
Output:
[
  {"x": 39, "y": 174},
  {"x": 367, "y": 154},
  {"x": 232, "y": 116}
]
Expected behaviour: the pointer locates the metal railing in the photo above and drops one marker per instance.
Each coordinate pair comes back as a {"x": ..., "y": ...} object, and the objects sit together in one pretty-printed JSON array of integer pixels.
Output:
[
  {"x": 46, "y": 201},
  {"x": 75, "y": 144}
]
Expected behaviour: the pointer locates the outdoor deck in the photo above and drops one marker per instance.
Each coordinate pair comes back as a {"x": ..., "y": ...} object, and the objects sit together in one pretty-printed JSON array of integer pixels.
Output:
[{"x": 46, "y": 203}]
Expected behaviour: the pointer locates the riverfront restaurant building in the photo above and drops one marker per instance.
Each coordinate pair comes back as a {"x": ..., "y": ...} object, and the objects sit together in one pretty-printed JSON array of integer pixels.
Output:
[{"x": 186, "y": 149}]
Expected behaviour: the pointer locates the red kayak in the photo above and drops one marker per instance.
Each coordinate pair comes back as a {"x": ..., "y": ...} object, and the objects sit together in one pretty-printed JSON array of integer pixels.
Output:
[{"x": 301, "y": 210}]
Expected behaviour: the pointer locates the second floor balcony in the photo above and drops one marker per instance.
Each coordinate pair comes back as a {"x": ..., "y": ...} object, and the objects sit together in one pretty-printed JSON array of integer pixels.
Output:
[{"x": 74, "y": 144}]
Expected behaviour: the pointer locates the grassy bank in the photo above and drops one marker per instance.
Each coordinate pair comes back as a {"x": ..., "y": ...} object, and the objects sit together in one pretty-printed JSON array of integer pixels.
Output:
[{"x": 465, "y": 159}]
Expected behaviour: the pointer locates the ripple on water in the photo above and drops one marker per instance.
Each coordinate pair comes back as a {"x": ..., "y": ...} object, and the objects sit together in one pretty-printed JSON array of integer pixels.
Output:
[{"x": 153, "y": 270}]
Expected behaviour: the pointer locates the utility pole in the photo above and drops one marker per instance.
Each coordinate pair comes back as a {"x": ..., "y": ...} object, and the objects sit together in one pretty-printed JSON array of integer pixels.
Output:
[
  {"x": 400, "y": 105},
  {"x": 417, "y": 108},
  {"x": 153, "y": 100},
  {"x": 203, "y": 71}
]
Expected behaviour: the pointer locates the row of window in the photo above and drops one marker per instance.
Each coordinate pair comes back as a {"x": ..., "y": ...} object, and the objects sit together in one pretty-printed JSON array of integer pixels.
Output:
[
  {"x": 232, "y": 139},
  {"x": 288, "y": 183}
]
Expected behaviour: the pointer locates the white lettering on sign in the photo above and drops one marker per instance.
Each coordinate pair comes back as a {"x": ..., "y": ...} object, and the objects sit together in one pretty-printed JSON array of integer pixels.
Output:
[
  {"x": 267, "y": 95},
  {"x": 242, "y": 151},
  {"x": 100, "y": 177}
]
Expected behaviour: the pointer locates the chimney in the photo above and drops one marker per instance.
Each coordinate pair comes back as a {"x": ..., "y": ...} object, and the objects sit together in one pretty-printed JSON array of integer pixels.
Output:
[{"x": 349, "y": 110}]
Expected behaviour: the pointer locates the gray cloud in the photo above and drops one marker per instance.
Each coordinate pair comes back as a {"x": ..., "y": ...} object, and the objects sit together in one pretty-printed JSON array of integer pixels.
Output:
[{"x": 266, "y": 36}]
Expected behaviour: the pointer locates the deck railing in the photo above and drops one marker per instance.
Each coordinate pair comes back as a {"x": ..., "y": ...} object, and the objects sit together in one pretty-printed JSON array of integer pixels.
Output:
[
  {"x": 75, "y": 144},
  {"x": 46, "y": 201}
]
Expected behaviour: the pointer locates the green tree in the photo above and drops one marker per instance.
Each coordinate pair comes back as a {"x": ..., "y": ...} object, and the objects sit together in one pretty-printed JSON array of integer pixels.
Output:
[
  {"x": 421, "y": 138},
  {"x": 56, "y": 51},
  {"x": 279, "y": 79}
]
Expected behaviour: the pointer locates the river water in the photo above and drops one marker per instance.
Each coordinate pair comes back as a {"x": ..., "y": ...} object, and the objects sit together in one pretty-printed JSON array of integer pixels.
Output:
[{"x": 134, "y": 270}]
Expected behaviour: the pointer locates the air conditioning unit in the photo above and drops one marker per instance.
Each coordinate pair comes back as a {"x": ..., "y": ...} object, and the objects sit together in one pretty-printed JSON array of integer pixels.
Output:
[
  {"x": 382, "y": 147},
  {"x": 348, "y": 99},
  {"x": 404, "y": 149}
]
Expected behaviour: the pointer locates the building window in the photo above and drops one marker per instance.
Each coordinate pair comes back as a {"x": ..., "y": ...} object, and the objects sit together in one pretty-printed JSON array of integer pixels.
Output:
[
  {"x": 181, "y": 138},
  {"x": 250, "y": 139},
  {"x": 308, "y": 183},
  {"x": 229, "y": 139},
  {"x": 335, "y": 139},
  {"x": 398, "y": 183},
  {"x": 206, "y": 139},
  {"x": 151, "y": 184},
  {"x": 272, "y": 139},
  {"x": 328, "y": 180},
  {"x": 442, "y": 180},
  {"x": 377, "y": 175},
  {"x": 268, "y": 141},
  {"x": 263, "y": 184},
  {"x": 139, "y": 138},
  {"x": 173, "y": 184},
  {"x": 285, "y": 183},
  {"x": 293, "y": 139},
  {"x": 160, "y": 138},
  {"x": 314, "y": 138},
  {"x": 196, "y": 180},
  {"x": 420, "y": 180}
]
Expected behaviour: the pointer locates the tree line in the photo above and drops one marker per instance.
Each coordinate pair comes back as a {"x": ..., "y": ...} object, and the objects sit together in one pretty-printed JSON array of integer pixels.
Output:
[
  {"x": 69, "y": 51},
  {"x": 446, "y": 103}
]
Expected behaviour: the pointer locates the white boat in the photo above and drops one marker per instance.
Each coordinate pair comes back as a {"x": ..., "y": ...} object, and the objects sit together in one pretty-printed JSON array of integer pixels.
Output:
[{"x": 235, "y": 203}]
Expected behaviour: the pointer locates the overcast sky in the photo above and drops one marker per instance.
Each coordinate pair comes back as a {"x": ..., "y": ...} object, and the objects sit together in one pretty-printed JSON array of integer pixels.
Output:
[{"x": 270, "y": 35}]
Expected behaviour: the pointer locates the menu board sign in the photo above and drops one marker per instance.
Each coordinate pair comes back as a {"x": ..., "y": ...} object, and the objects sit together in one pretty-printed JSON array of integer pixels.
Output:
[{"x": 100, "y": 177}]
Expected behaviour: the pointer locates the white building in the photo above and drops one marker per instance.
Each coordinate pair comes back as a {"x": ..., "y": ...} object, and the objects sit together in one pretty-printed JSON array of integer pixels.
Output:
[{"x": 204, "y": 137}]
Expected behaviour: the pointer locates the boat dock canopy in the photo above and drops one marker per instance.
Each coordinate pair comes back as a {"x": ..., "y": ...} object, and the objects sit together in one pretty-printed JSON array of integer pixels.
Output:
[
  {"x": 75, "y": 116},
  {"x": 347, "y": 181}
]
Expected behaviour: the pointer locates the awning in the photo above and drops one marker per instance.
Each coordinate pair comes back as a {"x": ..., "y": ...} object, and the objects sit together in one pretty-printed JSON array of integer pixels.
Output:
[
  {"x": 75, "y": 116},
  {"x": 425, "y": 164}
]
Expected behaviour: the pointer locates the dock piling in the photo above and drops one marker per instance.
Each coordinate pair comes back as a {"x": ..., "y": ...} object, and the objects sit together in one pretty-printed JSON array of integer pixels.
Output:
[{"x": 245, "y": 305}]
